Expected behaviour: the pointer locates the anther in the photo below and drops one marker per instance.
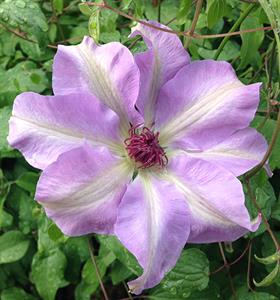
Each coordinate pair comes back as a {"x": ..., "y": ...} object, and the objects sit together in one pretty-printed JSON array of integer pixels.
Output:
[{"x": 144, "y": 148}]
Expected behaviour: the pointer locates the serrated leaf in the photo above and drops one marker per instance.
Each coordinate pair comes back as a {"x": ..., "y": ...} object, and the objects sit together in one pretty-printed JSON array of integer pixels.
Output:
[
  {"x": 25, "y": 76},
  {"x": 13, "y": 246},
  {"x": 47, "y": 273},
  {"x": 190, "y": 274},
  {"x": 269, "y": 259},
  {"x": 27, "y": 16},
  {"x": 270, "y": 278}
]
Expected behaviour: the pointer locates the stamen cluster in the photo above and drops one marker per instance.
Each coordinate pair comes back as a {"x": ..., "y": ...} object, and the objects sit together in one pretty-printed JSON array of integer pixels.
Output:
[{"x": 144, "y": 148}]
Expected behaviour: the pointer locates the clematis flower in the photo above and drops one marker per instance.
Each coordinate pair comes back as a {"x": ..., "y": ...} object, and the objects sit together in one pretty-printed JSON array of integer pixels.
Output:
[{"x": 145, "y": 147}]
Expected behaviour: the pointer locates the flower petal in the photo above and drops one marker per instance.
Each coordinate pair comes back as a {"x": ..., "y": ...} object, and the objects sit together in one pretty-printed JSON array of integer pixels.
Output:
[
  {"x": 215, "y": 198},
  {"x": 153, "y": 224},
  {"x": 204, "y": 104},
  {"x": 164, "y": 57},
  {"x": 82, "y": 190},
  {"x": 108, "y": 71},
  {"x": 43, "y": 127},
  {"x": 239, "y": 153}
]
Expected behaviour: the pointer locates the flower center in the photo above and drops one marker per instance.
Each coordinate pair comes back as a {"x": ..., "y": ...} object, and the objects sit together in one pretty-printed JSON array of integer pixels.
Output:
[{"x": 144, "y": 148}]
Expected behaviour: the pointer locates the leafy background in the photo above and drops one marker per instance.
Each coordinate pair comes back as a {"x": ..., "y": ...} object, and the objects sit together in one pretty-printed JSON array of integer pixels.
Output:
[{"x": 36, "y": 260}]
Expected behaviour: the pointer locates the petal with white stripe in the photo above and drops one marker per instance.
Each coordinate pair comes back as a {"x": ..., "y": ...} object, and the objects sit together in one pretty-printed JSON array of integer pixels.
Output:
[
  {"x": 163, "y": 59},
  {"x": 215, "y": 199},
  {"x": 204, "y": 104},
  {"x": 239, "y": 153},
  {"x": 43, "y": 127},
  {"x": 81, "y": 191},
  {"x": 108, "y": 71},
  {"x": 153, "y": 224}
]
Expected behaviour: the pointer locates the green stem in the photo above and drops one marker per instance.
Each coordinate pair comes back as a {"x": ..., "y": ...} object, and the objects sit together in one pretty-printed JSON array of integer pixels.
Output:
[
  {"x": 91, "y": 251},
  {"x": 234, "y": 28}
]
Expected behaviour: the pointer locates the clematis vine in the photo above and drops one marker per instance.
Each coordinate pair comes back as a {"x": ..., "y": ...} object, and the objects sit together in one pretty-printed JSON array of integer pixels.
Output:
[{"x": 146, "y": 147}]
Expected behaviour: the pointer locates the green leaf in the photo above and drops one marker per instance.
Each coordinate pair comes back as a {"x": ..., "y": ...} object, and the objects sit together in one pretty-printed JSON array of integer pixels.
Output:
[
  {"x": 270, "y": 278},
  {"x": 184, "y": 8},
  {"x": 15, "y": 293},
  {"x": 28, "y": 181},
  {"x": 126, "y": 4},
  {"x": 122, "y": 254},
  {"x": 52, "y": 32},
  {"x": 250, "y": 42},
  {"x": 47, "y": 273},
  {"x": 76, "y": 251},
  {"x": 119, "y": 272},
  {"x": 27, "y": 16},
  {"x": 244, "y": 294},
  {"x": 5, "y": 114},
  {"x": 58, "y": 6},
  {"x": 190, "y": 274},
  {"x": 230, "y": 51},
  {"x": 103, "y": 260},
  {"x": 267, "y": 131},
  {"x": 90, "y": 280},
  {"x": 25, "y": 76},
  {"x": 93, "y": 25},
  {"x": 55, "y": 233},
  {"x": 85, "y": 9},
  {"x": 13, "y": 246},
  {"x": 27, "y": 220},
  {"x": 216, "y": 10},
  {"x": 269, "y": 259}
]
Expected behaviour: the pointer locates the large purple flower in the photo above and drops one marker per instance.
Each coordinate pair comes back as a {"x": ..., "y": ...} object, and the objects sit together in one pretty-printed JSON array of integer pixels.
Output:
[{"x": 180, "y": 127}]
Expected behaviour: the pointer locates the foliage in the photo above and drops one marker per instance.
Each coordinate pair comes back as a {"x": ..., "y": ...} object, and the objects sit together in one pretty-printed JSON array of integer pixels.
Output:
[{"x": 36, "y": 260}]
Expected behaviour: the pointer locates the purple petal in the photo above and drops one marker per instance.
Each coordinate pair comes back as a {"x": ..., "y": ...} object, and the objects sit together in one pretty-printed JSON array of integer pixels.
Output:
[
  {"x": 215, "y": 198},
  {"x": 239, "y": 153},
  {"x": 153, "y": 224},
  {"x": 164, "y": 57},
  {"x": 82, "y": 190},
  {"x": 43, "y": 127},
  {"x": 108, "y": 71},
  {"x": 204, "y": 104}
]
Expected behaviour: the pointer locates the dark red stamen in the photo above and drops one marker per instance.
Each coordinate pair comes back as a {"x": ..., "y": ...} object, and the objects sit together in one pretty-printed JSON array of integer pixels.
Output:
[{"x": 144, "y": 148}]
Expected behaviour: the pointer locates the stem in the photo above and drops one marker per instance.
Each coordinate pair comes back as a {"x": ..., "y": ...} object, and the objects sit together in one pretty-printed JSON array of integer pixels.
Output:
[
  {"x": 228, "y": 270},
  {"x": 22, "y": 35},
  {"x": 128, "y": 293},
  {"x": 179, "y": 33},
  {"x": 91, "y": 251},
  {"x": 195, "y": 19},
  {"x": 233, "y": 28},
  {"x": 249, "y": 268},
  {"x": 234, "y": 262}
]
